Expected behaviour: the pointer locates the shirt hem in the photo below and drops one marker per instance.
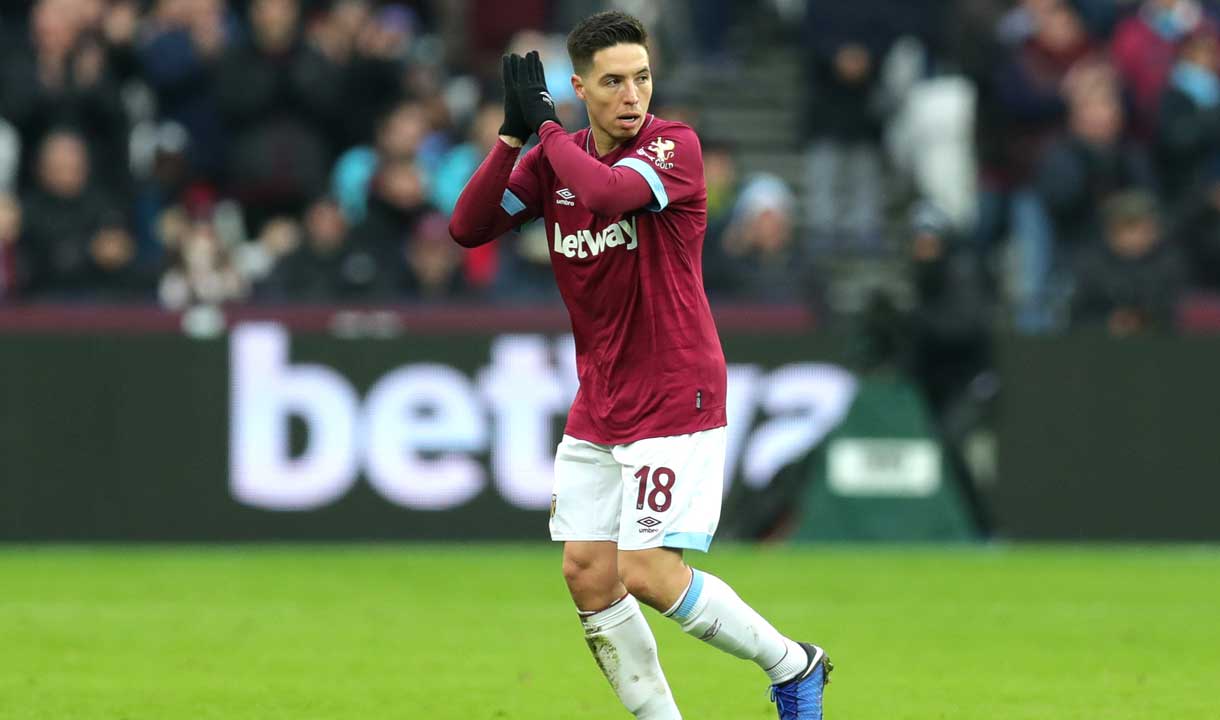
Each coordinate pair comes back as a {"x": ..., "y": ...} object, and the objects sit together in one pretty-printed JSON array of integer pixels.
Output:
[{"x": 594, "y": 437}]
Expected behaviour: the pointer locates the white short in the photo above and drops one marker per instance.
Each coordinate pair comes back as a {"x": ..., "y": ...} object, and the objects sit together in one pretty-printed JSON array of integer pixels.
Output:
[{"x": 657, "y": 492}]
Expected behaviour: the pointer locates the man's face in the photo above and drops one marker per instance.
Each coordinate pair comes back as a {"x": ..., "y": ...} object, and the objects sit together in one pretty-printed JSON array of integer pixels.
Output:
[
  {"x": 64, "y": 165},
  {"x": 616, "y": 89},
  {"x": 1134, "y": 239},
  {"x": 325, "y": 225},
  {"x": 1097, "y": 116},
  {"x": 274, "y": 23}
]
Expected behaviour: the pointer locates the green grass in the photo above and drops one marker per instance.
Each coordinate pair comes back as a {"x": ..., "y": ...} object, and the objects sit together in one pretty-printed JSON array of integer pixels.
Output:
[{"x": 486, "y": 632}]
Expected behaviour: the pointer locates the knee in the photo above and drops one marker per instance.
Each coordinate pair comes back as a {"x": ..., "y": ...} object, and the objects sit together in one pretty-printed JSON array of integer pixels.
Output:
[
  {"x": 589, "y": 570},
  {"x": 577, "y": 570}
]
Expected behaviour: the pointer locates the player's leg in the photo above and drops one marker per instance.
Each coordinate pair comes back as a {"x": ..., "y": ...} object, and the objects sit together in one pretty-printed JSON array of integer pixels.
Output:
[
  {"x": 584, "y": 515},
  {"x": 707, "y": 608},
  {"x": 591, "y": 571},
  {"x": 671, "y": 502}
]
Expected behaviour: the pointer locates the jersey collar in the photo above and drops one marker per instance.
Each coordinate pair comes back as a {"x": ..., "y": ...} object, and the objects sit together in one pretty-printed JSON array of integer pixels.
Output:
[{"x": 616, "y": 154}]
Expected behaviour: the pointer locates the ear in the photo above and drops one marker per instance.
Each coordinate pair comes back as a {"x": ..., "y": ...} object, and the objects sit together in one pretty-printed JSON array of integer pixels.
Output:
[{"x": 578, "y": 85}]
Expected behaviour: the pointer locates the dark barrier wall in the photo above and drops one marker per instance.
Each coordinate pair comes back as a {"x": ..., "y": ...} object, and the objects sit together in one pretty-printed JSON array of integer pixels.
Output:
[
  {"x": 430, "y": 432},
  {"x": 1114, "y": 439},
  {"x": 267, "y": 434}
]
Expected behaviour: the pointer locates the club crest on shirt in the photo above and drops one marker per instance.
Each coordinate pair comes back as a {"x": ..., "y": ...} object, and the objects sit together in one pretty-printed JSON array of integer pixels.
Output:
[{"x": 660, "y": 151}]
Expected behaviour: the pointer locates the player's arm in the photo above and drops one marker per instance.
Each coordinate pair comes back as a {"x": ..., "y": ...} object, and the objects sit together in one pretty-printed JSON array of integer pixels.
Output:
[
  {"x": 499, "y": 196},
  {"x": 604, "y": 190}
]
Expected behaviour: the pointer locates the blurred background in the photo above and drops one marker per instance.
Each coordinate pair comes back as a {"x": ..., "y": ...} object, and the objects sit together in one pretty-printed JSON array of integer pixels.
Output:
[{"x": 964, "y": 257}]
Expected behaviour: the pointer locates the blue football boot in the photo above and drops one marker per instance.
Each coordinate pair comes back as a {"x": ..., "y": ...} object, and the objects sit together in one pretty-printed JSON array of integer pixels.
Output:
[{"x": 801, "y": 697}]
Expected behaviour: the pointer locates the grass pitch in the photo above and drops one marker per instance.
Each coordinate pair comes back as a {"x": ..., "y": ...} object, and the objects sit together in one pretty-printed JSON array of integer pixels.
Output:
[{"x": 486, "y": 632}]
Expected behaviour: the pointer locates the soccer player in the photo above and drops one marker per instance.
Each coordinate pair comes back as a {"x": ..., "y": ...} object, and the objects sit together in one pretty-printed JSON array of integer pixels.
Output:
[{"x": 639, "y": 472}]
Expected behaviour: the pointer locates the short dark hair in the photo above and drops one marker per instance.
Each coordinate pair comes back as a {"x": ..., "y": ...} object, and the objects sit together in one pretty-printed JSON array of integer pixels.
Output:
[{"x": 600, "y": 31}]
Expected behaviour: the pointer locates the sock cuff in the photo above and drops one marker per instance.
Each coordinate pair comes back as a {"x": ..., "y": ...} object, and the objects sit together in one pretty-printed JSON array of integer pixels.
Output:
[
  {"x": 613, "y": 616},
  {"x": 589, "y": 613},
  {"x": 685, "y": 607}
]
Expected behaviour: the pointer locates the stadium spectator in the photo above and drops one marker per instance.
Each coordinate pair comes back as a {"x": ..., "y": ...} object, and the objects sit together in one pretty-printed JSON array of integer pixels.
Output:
[
  {"x": 12, "y": 266},
  {"x": 119, "y": 24},
  {"x": 201, "y": 269},
  {"x": 115, "y": 275},
  {"x": 400, "y": 134},
  {"x": 277, "y": 94},
  {"x": 10, "y": 156},
  {"x": 1197, "y": 231},
  {"x": 1092, "y": 160},
  {"x": 1189, "y": 132},
  {"x": 60, "y": 76},
  {"x": 459, "y": 163},
  {"x": 255, "y": 100},
  {"x": 179, "y": 55},
  {"x": 370, "y": 47},
  {"x": 761, "y": 259},
  {"x": 1145, "y": 47},
  {"x": 279, "y": 237},
  {"x": 1022, "y": 110},
  {"x": 1076, "y": 174},
  {"x": 950, "y": 319},
  {"x": 433, "y": 262},
  {"x": 454, "y": 169},
  {"x": 720, "y": 174},
  {"x": 323, "y": 268},
  {"x": 1131, "y": 282},
  {"x": 524, "y": 268},
  {"x": 64, "y": 215},
  {"x": 845, "y": 43},
  {"x": 161, "y": 186},
  {"x": 396, "y": 205},
  {"x": 949, "y": 331}
]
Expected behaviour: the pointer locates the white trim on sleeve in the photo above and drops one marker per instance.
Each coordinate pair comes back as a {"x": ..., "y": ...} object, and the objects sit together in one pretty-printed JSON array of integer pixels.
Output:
[{"x": 661, "y": 198}]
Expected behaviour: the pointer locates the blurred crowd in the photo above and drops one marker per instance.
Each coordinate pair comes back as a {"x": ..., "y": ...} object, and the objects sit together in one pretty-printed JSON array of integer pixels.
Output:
[
  {"x": 1055, "y": 161},
  {"x": 1043, "y": 163}
]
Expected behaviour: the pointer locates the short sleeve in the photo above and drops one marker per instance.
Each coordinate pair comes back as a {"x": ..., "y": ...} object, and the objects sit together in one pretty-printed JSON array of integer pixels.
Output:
[
  {"x": 522, "y": 197},
  {"x": 671, "y": 161}
]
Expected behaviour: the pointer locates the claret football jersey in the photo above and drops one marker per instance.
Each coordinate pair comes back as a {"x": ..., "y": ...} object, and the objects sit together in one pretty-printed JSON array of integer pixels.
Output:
[{"x": 647, "y": 352}]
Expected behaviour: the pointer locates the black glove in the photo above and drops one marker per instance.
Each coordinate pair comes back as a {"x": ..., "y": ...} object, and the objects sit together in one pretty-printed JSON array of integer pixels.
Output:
[
  {"x": 514, "y": 123},
  {"x": 530, "y": 79}
]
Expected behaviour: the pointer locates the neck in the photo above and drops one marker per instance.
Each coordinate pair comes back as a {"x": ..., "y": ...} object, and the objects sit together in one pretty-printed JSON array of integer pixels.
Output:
[{"x": 604, "y": 142}]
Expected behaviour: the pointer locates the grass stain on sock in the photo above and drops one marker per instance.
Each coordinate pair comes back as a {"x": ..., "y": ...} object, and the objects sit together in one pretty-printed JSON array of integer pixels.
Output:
[{"x": 606, "y": 656}]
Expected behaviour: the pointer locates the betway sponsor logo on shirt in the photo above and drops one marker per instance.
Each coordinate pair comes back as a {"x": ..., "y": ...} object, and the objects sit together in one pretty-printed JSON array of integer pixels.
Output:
[{"x": 584, "y": 243}]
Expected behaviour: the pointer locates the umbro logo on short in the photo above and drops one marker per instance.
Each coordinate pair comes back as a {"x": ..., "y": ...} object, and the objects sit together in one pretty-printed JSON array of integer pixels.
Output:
[{"x": 649, "y": 522}]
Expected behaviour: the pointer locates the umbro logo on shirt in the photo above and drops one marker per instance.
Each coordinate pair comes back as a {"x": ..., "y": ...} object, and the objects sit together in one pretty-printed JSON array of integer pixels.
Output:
[{"x": 566, "y": 197}]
